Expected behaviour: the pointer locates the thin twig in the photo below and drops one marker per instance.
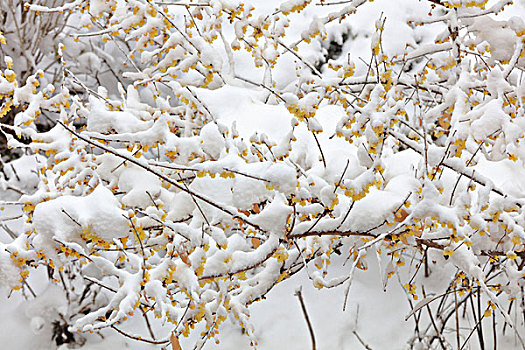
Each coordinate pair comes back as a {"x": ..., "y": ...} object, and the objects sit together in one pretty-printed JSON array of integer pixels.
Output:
[
  {"x": 438, "y": 333},
  {"x": 299, "y": 294},
  {"x": 127, "y": 335},
  {"x": 361, "y": 340}
]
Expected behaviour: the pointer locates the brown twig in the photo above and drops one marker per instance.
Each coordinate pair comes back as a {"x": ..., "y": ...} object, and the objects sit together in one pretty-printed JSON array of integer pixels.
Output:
[
  {"x": 299, "y": 294},
  {"x": 438, "y": 333},
  {"x": 127, "y": 335},
  {"x": 367, "y": 347}
]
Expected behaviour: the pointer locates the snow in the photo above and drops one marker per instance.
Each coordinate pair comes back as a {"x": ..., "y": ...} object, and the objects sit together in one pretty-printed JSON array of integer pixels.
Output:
[
  {"x": 122, "y": 122},
  {"x": 9, "y": 271},
  {"x": 66, "y": 218},
  {"x": 256, "y": 116},
  {"x": 273, "y": 217},
  {"x": 140, "y": 187}
]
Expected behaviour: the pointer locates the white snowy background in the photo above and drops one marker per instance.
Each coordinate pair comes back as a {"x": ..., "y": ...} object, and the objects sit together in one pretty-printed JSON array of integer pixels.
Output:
[{"x": 375, "y": 316}]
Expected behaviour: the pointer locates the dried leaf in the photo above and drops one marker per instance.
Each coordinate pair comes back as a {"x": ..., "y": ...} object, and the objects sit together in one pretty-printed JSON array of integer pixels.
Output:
[
  {"x": 444, "y": 120},
  {"x": 401, "y": 215},
  {"x": 241, "y": 223},
  {"x": 361, "y": 265},
  {"x": 256, "y": 242},
  {"x": 175, "y": 345},
  {"x": 184, "y": 258}
]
